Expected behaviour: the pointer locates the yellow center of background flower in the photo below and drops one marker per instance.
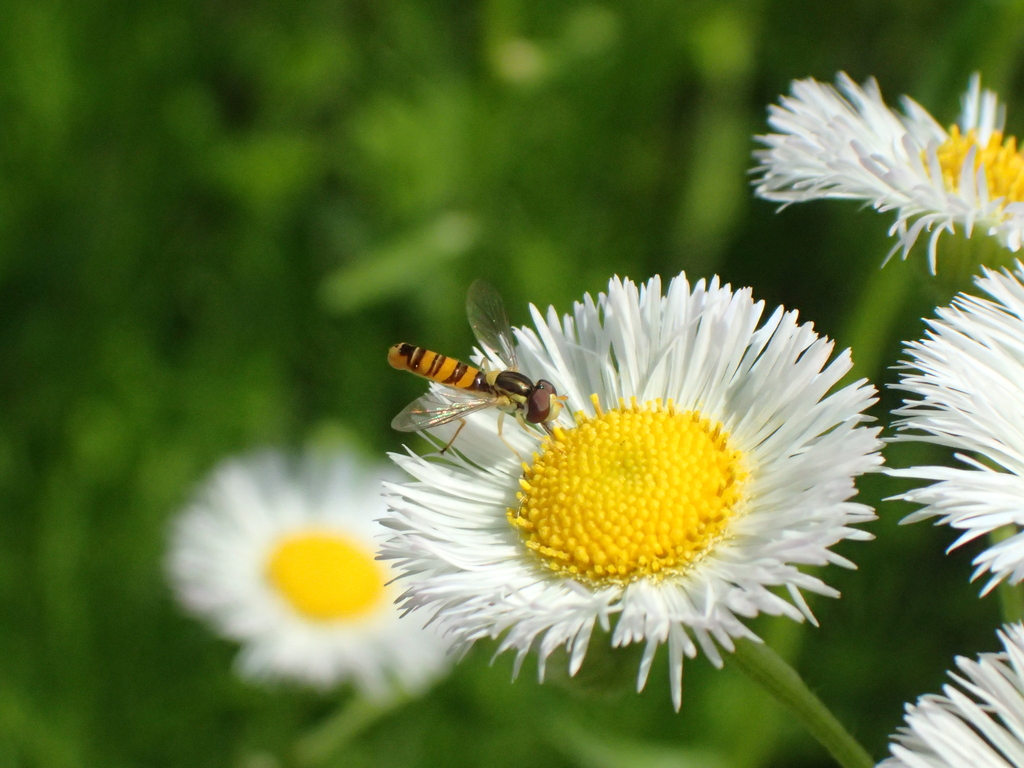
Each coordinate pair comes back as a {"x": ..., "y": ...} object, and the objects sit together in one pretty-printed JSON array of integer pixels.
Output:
[
  {"x": 325, "y": 576},
  {"x": 633, "y": 492},
  {"x": 1004, "y": 165}
]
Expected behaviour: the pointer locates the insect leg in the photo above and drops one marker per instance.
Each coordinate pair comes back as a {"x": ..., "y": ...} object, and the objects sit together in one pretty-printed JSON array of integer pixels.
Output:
[
  {"x": 462, "y": 423},
  {"x": 501, "y": 421}
]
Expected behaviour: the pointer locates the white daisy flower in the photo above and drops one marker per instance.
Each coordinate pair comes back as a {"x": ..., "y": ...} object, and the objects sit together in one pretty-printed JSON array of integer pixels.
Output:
[
  {"x": 967, "y": 379},
  {"x": 977, "y": 723},
  {"x": 704, "y": 463},
  {"x": 279, "y": 556},
  {"x": 845, "y": 143}
]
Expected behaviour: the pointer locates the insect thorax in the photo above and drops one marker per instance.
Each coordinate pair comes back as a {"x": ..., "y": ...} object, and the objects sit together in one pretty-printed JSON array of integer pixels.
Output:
[{"x": 514, "y": 384}]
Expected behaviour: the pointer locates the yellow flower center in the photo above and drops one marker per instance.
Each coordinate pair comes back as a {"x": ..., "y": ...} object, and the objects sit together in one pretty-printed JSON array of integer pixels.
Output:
[
  {"x": 326, "y": 576},
  {"x": 1004, "y": 165},
  {"x": 633, "y": 492}
]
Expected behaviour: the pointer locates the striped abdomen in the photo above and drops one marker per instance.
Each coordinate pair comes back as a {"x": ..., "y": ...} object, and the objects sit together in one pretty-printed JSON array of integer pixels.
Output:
[{"x": 437, "y": 367}]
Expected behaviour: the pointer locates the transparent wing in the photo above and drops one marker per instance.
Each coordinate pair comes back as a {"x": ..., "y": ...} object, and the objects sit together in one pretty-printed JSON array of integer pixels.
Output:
[
  {"x": 436, "y": 408},
  {"x": 489, "y": 322}
]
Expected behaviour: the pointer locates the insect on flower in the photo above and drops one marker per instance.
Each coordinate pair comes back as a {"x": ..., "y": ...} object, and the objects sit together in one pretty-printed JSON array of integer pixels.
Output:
[
  {"x": 708, "y": 467},
  {"x": 470, "y": 389}
]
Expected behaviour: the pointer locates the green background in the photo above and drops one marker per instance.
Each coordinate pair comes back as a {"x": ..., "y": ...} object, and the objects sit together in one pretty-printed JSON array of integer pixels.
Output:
[{"x": 216, "y": 216}]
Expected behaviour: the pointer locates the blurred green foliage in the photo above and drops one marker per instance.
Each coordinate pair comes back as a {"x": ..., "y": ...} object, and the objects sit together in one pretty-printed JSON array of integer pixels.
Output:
[{"x": 216, "y": 216}]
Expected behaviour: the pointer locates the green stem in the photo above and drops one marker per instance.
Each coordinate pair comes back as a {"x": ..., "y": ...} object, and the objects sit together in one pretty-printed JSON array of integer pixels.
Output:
[
  {"x": 763, "y": 665},
  {"x": 867, "y": 331},
  {"x": 330, "y": 736}
]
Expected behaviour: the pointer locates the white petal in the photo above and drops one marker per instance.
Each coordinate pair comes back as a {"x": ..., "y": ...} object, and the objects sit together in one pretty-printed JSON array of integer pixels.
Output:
[
  {"x": 979, "y": 724},
  {"x": 843, "y": 142},
  {"x": 966, "y": 386},
  {"x": 217, "y": 565}
]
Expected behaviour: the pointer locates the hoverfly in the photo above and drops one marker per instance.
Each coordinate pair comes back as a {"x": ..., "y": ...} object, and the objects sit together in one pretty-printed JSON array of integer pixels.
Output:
[{"x": 472, "y": 389}]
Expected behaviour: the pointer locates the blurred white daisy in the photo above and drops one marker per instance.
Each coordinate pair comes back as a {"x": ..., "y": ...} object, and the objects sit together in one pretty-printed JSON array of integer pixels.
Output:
[
  {"x": 705, "y": 462},
  {"x": 279, "y": 556},
  {"x": 844, "y": 143},
  {"x": 977, "y": 723},
  {"x": 967, "y": 381}
]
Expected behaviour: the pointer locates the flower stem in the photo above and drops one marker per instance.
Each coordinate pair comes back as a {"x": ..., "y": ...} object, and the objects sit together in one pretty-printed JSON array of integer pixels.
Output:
[
  {"x": 328, "y": 738},
  {"x": 763, "y": 665},
  {"x": 868, "y": 329}
]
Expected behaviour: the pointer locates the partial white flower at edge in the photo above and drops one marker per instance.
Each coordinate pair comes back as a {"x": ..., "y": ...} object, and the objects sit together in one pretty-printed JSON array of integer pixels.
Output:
[
  {"x": 976, "y": 723},
  {"x": 278, "y": 554},
  {"x": 700, "y": 461},
  {"x": 966, "y": 381},
  {"x": 844, "y": 143}
]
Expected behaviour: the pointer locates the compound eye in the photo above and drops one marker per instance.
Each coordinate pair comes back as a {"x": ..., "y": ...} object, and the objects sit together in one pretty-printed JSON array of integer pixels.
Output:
[{"x": 538, "y": 405}]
